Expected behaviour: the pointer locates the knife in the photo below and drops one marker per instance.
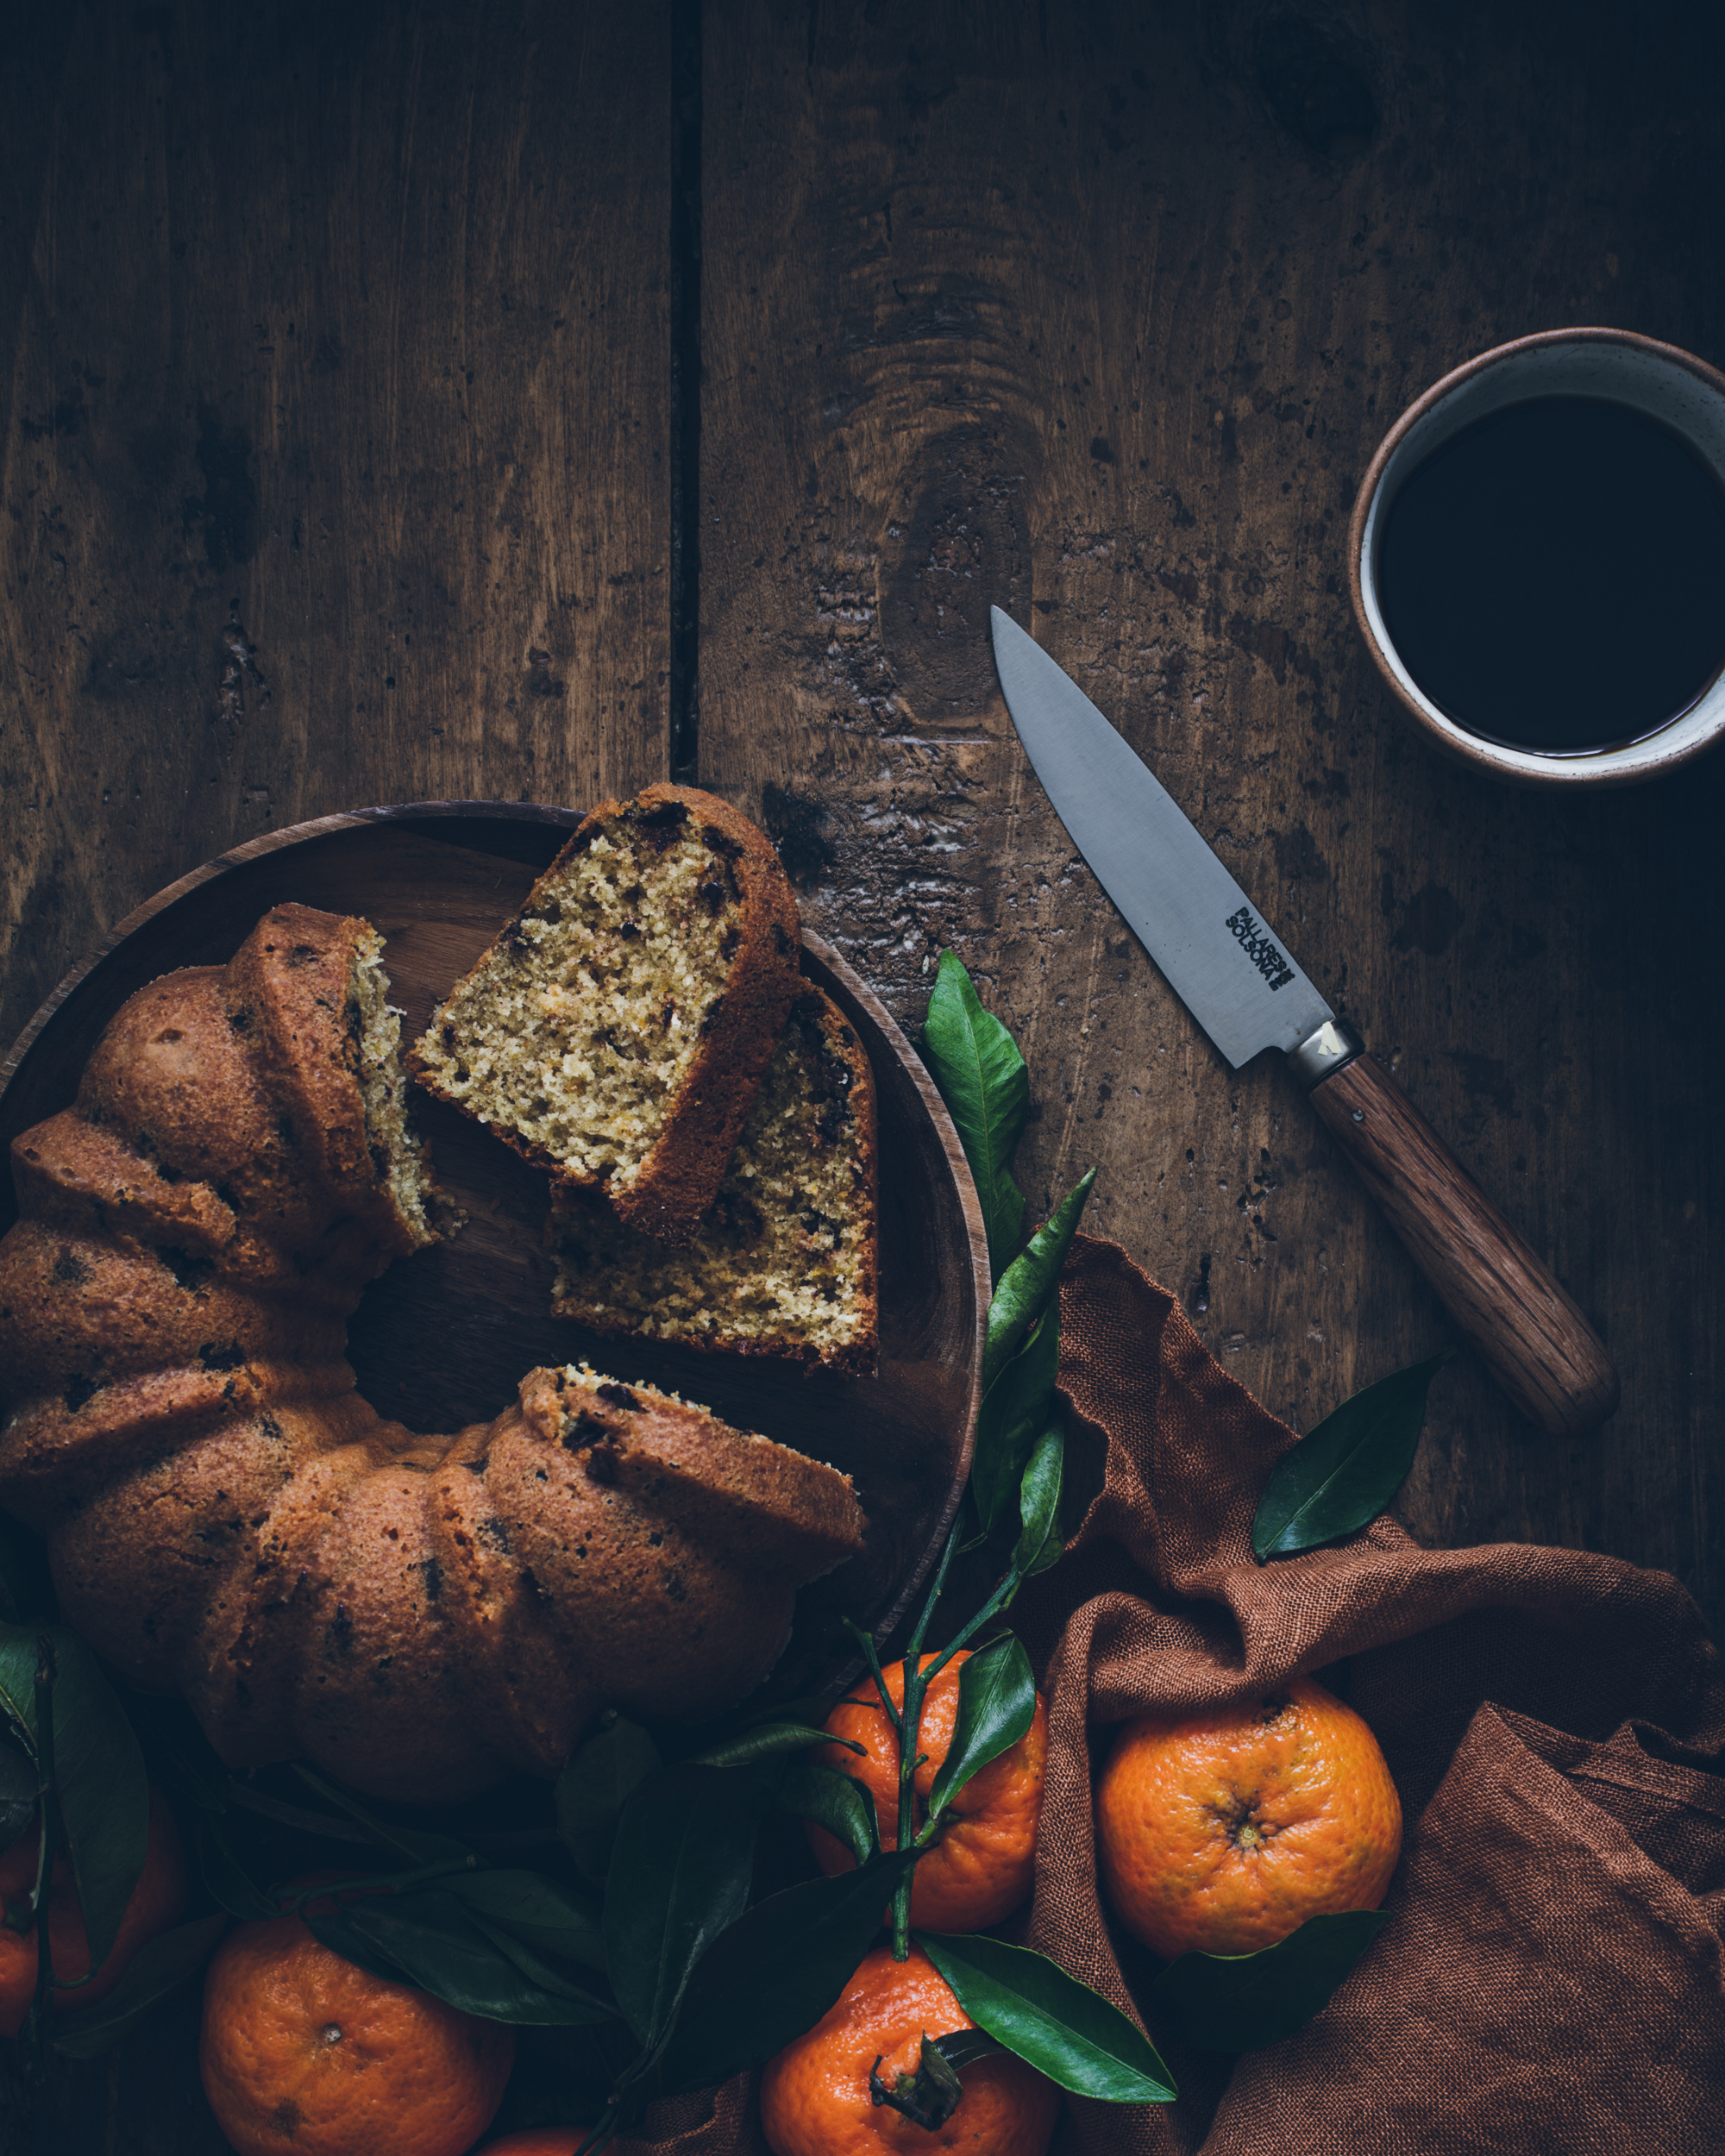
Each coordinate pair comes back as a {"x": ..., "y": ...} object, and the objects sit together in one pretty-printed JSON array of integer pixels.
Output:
[{"x": 1239, "y": 980}]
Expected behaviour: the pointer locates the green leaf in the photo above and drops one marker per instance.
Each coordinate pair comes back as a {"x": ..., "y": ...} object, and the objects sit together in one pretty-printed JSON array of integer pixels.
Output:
[
  {"x": 981, "y": 1077},
  {"x": 536, "y": 1909},
  {"x": 592, "y": 1789},
  {"x": 161, "y": 1965},
  {"x": 334, "y": 1928},
  {"x": 228, "y": 1882},
  {"x": 834, "y": 1801},
  {"x": 774, "y": 1973},
  {"x": 1039, "y": 1542},
  {"x": 808, "y": 1711},
  {"x": 17, "y": 1793},
  {"x": 679, "y": 1873},
  {"x": 996, "y": 1705},
  {"x": 539, "y": 1971},
  {"x": 769, "y": 1741},
  {"x": 104, "y": 1797},
  {"x": 1066, "y": 2030},
  {"x": 407, "y": 1841},
  {"x": 1238, "y": 2002},
  {"x": 19, "y": 1655},
  {"x": 438, "y": 1944},
  {"x": 1027, "y": 1286},
  {"x": 1348, "y": 1468},
  {"x": 1014, "y": 1416}
]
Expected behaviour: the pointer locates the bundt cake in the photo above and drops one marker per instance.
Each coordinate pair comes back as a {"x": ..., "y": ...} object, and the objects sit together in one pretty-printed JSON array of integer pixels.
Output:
[
  {"x": 226, "y": 1516},
  {"x": 618, "y": 1031},
  {"x": 784, "y": 1261}
]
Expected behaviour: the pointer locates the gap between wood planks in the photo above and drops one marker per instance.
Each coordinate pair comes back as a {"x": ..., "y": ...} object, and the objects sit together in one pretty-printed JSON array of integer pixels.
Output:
[{"x": 686, "y": 388}]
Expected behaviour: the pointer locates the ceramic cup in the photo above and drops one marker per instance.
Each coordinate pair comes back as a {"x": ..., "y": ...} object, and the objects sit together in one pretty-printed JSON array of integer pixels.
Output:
[{"x": 1669, "y": 385}]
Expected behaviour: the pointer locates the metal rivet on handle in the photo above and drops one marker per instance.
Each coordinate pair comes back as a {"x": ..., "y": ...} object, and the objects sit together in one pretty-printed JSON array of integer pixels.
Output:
[{"x": 1359, "y": 1115}]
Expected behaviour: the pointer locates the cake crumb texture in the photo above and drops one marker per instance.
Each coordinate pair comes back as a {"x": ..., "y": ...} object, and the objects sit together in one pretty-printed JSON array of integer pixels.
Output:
[
  {"x": 617, "y": 1032},
  {"x": 374, "y": 1028},
  {"x": 785, "y": 1261}
]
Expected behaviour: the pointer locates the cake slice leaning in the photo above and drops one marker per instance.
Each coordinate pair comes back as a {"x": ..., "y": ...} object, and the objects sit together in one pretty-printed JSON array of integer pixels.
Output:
[
  {"x": 785, "y": 1261},
  {"x": 617, "y": 1032}
]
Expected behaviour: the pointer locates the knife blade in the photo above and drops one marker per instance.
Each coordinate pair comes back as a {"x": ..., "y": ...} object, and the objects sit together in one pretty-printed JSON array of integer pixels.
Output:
[{"x": 1244, "y": 988}]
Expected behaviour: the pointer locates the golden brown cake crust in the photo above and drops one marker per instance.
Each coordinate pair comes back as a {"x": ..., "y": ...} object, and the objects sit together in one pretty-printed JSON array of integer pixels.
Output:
[
  {"x": 683, "y": 1170},
  {"x": 226, "y": 1516}
]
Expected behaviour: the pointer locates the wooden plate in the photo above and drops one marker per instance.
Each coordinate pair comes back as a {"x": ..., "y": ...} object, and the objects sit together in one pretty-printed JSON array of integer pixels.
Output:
[{"x": 443, "y": 1337}]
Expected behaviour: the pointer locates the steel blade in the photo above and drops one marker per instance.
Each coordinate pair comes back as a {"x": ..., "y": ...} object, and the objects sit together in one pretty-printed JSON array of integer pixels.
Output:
[{"x": 1211, "y": 942}]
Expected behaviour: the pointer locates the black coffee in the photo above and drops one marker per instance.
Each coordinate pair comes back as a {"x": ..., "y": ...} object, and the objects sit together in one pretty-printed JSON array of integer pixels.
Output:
[{"x": 1553, "y": 577}]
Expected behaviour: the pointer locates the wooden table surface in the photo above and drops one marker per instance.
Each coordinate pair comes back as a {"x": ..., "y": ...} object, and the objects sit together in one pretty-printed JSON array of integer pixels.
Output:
[{"x": 486, "y": 399}]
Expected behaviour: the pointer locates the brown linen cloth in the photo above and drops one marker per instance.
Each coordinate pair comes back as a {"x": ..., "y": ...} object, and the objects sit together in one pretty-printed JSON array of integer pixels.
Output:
[{"x": 1555, "y": 1722}]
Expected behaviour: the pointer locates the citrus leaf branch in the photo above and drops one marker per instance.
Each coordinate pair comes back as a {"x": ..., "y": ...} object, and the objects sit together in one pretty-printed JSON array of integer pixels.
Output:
[
  {"x": 1028, "y": 1285},
  {"x": 981, "y": 1075},
  {"x": 996, "y": 1705}
]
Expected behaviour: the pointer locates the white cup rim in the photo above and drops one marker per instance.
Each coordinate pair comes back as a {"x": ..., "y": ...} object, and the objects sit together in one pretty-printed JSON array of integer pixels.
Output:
[{"x": 1635, "y": 761}]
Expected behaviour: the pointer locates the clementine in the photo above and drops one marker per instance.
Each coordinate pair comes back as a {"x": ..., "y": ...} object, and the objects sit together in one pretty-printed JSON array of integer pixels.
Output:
[
  {"x": 156, "y": 1901},
  {"x": 979, "y": 1868},
  {"x": 305, "y": 2054},
  {"x": 1224, "y": 1831},
  {"x": 815, "y": 2096}
]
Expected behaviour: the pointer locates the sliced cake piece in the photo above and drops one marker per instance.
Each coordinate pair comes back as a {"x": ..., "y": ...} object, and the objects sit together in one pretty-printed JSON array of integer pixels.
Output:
[
  {"x": 614, "y": 1545},
  {"x": 374, "y": 1028},
  {"x": 792, "y": 1515},
  {"x": 785, "y": 1261},
  {"x": 618, "y": 1031}
]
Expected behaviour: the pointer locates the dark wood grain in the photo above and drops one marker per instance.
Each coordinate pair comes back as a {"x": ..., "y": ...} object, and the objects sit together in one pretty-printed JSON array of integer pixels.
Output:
[
  {"x": 333, "y": 326},
  {"x": 1098, "y": 313},
  {"x": 337, "y": 463},
  {"x": 1530, "y": 1335},
  {"x": 335, "y": 469}
]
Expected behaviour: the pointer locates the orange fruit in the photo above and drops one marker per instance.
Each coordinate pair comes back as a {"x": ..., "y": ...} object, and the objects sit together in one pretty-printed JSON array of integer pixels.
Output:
[
  {"x": 979, "y": 1867},
  {"x": 815, "y": 2099},
  {"x": 1224, "y": 1831},
  {"x": 156, "y": 1901},
  {"x": 305, "y": 2054}
]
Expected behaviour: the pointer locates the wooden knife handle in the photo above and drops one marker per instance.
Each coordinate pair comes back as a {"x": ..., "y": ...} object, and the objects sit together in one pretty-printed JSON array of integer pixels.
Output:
[{"x": 1534, "y": 1340}]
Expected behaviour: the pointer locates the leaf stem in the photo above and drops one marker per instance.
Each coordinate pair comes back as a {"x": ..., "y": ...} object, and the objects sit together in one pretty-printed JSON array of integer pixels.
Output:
[
  {"x": 999, "y": 1600},
  {"x": 47, "y": 1669},
  {"x": 913, "y": 1650},
  {"x": 601, "y": 2137},
  {"x": 873, "y": 1660},
  {"x": 910, "y": 1733},
  {"x": 907, "y": 1837}
]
